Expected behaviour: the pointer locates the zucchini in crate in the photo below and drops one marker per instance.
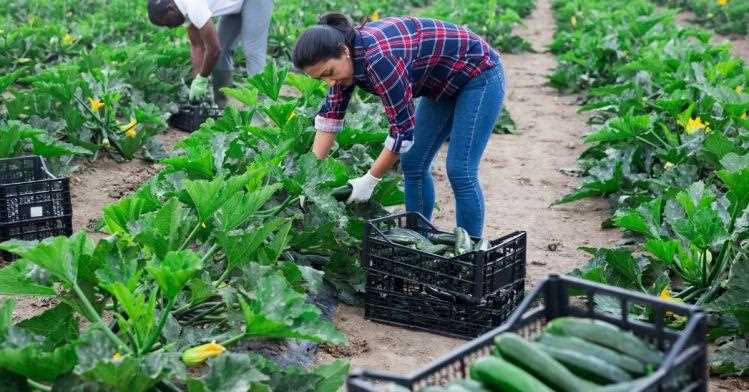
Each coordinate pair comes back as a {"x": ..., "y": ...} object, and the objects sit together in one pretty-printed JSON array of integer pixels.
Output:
[
  {"x": 584, "y": 347},
  {"x": 539, "y": 364},
  {"x": 605, "y": 334},
  {"x": 497, "y": 374},
  {"x": 588, "y": 367},
  {"x": 463, "y": 243}
]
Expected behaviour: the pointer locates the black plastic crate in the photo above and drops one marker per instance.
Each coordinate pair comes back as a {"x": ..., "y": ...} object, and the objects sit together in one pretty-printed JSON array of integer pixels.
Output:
[
  {"x": 478, "y": 274},
  {"x": 190, "y": 116},
  {"x": 399, "y": 302},
  {"x": 684, "y": 368},
  {"x": 463, "y": 296},
  {"x": 33, "y": 203}
]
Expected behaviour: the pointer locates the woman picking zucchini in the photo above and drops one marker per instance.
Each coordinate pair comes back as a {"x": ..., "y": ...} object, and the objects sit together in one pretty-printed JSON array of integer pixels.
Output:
[{"x": 399, "y": 59}]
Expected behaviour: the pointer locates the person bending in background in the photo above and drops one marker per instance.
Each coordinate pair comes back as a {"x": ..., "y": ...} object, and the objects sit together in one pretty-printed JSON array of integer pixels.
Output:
[
  {"x": 460, "y": 77},
  {"x": 211, "y": 51}
]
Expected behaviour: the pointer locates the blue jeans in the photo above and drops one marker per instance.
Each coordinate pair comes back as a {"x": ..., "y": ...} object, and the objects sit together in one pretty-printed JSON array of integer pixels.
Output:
[{"x": 468, "y": 119}]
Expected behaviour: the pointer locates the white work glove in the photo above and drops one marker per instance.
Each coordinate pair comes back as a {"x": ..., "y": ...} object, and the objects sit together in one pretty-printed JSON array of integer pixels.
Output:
[
  {"x": 362, "y": 188},
  {"x": 198, "y": 88}
]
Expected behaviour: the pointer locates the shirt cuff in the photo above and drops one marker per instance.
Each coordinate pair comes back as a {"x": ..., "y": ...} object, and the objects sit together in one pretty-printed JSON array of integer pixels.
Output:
[
  {"x": 398, "y": 144},
  {"x": 330, "y": 125}
]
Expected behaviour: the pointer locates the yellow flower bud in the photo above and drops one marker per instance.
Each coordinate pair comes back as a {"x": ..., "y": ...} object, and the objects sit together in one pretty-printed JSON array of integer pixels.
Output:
[
  {"x": 130, "y": 128},
  {"x": 95, "y": 104},
  {"x": 694, "y": 125},
  {"x": 375, "y": 16},
  {"x": 199, "y": 354}
]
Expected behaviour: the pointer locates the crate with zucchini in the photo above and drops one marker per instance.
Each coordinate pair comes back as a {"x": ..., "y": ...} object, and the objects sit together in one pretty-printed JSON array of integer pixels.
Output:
[
  {"x": 442, "y": 282},
  {"x": 568, "y": 336}
]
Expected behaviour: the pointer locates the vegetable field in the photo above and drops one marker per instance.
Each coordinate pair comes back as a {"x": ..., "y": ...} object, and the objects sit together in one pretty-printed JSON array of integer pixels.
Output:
[{"x": 622, "y": 151}]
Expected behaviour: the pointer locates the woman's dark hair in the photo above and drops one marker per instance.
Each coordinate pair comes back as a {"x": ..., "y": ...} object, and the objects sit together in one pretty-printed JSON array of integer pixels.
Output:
[
  {"x": 165, "y": 13},
  {"x": 324, "y": 41}
]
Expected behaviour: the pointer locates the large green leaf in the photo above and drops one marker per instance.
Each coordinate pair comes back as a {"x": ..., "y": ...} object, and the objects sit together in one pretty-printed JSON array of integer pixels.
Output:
[
  {"x": 207, "y": 196},
  {"x": 46, "y": 146},
  {"x": 278, "y": 311},
  {"x": 327, "y": 377},
  {"x": 241, "y": 246},
  {"x": 731, "y": 358},
  {"x": 599, "y": 186},
  {"x": 32, "y": 361},
  {"x": 57, "y": 325},
  {"x": 702, "y": 225},
  {"x": 241, "y": 206},
  {"x": 196, "y": 162},
  {"x": 736, "y": 179},
  {"x": 735, "y": 299},
  {"x": 620, "y": 129},
  {"x": 98, "y": 360},
  {"x": 646, "y": 219},
  {"x": 166, "y": 229},
  {"x": 174, "y": 271},
  {"x": 118, "y": 215},
  {"x": 230, "y": 372},
  {"x": 141, "y": 311},
  {"x": 58, "y": 255},
  {"x": 14, "y": 280}
]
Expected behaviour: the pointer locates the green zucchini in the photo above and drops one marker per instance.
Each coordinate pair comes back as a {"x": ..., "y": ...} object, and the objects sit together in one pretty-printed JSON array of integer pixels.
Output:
[
  {"x": 483, "y": 245},
  {"x": 463, "y": 243},
  {"x": 584, "y": 347},
  {"x": 622, "y": 386},
  {"x": 403, "y": 236},
  {"x": 607, "y": 335},
  {"x": 442, "y": 238},
  {"x": 588, "y": 367},
  {"x": 342, "y": 193},
  {"x": 437, "y": 249},
  {"x": 498, "y": 375},
  {"x": 540, "y": 364}
]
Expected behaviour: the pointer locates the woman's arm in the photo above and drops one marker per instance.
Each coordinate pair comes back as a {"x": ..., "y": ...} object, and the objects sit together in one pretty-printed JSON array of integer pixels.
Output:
[
  {"x": 383, "y": 163},
  {"x": 323, "y": 143},
  {"x": 197, "y": 50}
]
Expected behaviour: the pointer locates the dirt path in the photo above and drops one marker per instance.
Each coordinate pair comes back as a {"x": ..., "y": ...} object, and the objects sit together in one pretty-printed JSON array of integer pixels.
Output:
[
  {"x": 521, "y": 178},
  {"x": 105, "y": 181}
]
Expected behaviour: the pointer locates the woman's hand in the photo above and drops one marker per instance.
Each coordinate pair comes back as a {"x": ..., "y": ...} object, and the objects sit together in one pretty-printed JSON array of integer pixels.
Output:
[
  {"x": 323, "y": 142},
  {"x": 363, "y": 187}
]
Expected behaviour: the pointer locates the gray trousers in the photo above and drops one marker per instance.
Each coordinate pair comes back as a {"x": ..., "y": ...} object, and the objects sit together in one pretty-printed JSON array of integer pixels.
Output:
[{"x": 250, "y": 27}]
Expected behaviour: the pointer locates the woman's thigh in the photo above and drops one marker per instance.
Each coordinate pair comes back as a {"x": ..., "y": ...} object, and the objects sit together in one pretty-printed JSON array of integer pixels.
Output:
[{"x": 433, "y": 124}]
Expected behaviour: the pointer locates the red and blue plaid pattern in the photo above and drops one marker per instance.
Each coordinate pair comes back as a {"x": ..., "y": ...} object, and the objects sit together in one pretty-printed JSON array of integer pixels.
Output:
[{"x": 402, "y": 58}]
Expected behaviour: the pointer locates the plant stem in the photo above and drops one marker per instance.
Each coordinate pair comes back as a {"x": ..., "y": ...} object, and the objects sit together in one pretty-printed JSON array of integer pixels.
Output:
[
  {"x": 232, "y": 340},
  {"x": 189, "y": 236},
  {"x": 703, "y": 260},
  {"x": 162, "y": 320},
  {"x": 94, "y": 316},
  {"x": 39, "y": 386}
]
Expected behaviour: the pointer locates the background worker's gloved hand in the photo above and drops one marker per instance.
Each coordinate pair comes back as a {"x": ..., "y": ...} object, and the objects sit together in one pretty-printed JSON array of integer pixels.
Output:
[
  {"x": 362, "y": 188},
  {"x": 198, "y": 88}
]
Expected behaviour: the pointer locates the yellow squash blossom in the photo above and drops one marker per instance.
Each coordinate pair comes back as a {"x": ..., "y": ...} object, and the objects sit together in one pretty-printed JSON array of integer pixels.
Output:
[
  {"x": 198, "y": 354},
  {"x": 68, "y": 39},
  {"x": 743, "y": 116},
  {"x": 723, "y": 3},
  {"x": 573, "y": 21},
  {"x": 665, "y": 295},
  {"x": 129, "y": 129},
  {"x": 694, "y": 125},
  {"x": 117, "y": 356},
  {"x": 375, "y": 16},
  {"x": 95, "y": 104},
  {"x": 739, "y": 89}
]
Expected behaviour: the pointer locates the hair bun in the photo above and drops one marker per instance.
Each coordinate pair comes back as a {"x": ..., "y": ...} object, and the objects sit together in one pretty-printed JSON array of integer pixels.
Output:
[{"x": 337, "y": 20}]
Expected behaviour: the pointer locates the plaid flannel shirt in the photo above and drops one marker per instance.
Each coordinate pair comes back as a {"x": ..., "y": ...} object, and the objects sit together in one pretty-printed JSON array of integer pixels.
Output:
[{"x": 402, "y": 58}]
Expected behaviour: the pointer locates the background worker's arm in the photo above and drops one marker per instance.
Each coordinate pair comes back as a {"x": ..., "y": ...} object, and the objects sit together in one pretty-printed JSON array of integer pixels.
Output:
[{"x": 204, "y": 48}]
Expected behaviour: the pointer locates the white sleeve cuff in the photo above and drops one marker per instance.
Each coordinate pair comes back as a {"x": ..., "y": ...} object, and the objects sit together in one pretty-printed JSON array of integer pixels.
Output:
[
  {"x": 405, "y": 145},
  {"x": 330, "y": 125}
]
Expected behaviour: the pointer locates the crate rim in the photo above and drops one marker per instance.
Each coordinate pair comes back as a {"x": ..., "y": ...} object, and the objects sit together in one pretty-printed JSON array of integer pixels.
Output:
[
  {"x": 371, "y": 223},
  {"x": 44, "y": 168},
  {"x": 677, "y": 354}
]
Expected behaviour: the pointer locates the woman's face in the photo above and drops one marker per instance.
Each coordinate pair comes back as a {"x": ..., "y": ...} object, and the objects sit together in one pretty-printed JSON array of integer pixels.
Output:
[{"x": 335, "y": 71}]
